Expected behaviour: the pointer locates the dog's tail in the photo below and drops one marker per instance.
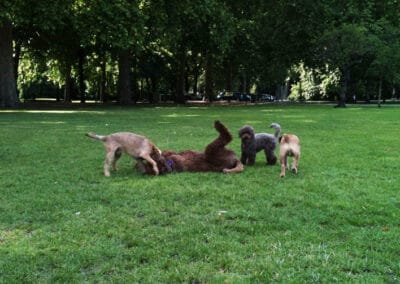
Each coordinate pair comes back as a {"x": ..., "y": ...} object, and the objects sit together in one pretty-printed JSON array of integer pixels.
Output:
[
  {"x": 95, "y": 136},
  {"x": 284, "y": 139},
  {"x": 277, "y": 128}
]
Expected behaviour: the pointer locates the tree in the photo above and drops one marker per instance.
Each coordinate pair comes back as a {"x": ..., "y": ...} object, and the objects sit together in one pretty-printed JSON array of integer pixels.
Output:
[
  {"x": 8, "y": 89},
  {"x": 342, "y": 48}
]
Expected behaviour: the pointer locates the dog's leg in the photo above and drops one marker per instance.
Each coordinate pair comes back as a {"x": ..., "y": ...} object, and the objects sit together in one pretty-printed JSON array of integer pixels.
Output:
[
  {"x": 243, "y": 158},
  {"x": 295, "y": 162},
  {"x": 220, "y": 142},
  {"x": 152, "y": 162},
  {"x": 108, "y": 162},
  {"x": 270, "y": 157},
  {"x": 251, "y": 159},
  {"x": 117, "y": 156},
  {"x": 283, "y": 158},
  {"x": 237, "y": 169}
]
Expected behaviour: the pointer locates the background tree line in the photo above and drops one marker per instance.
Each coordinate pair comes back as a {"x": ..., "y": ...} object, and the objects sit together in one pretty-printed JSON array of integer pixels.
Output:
[{"x": 145, "y": 50}]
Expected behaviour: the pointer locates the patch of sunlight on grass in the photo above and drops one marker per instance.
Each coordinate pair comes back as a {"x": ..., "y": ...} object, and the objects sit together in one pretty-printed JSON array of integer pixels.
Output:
[
  {"x": 271, "y": 110},
  {"x": 181, "y": 115},
  {"x": 294, "y": 116},
  {"x": 7, "y": 236},
  {"x": 250, "y": 122},
  {"x": 52, "y": 122},
  {"x": 308, "y": 121}
]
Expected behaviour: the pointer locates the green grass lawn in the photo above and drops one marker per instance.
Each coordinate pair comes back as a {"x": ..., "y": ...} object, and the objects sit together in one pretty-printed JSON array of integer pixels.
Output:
[{"x": 61, "y": 220}]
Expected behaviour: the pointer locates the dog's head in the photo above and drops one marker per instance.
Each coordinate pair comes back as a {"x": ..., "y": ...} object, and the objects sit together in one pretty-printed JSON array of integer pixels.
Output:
[
  {"x": 164, "y": 165},
  {"x": 246, "y": 133}
]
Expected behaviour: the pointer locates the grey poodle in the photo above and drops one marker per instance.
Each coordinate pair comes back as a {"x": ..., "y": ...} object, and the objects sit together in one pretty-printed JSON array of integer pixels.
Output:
[{"x": 253, "y": 143}]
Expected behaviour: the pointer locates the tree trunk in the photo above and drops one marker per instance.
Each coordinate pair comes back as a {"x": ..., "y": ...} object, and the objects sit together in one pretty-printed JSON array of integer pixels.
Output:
[
  {"x": 82, "y": 88},
  {"x": 8, "y": 89},
  {"x": 243, "y": 83},
  {"x": 380, "y": 92},
  {"x": 124, "y": 85},
  {"x": 344, "y": 81},
  {"x": 196, "y": 74},
  {"x": 209, "y": 79},
  {"x": 187, "y": 84},
  {"x": 180, "y": 77},
  {"x": 102, "y": 83},
  {"x": 195, "y": 81},
  {"x": 154, "y": 89},
  {"x": 17, "y": 56},
  {"x": 68, "y": 83},
  {"x": 367, "y": 92}
]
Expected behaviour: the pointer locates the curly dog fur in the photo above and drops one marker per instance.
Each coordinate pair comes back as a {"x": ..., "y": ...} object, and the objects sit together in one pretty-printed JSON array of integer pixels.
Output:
[
  {"x": 215, "y": 158},
  {"x": 253, "y": 143}
]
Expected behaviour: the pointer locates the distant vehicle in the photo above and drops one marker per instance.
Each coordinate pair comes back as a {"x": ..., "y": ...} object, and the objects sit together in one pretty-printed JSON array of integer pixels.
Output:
[
  {"x": 267, "y": 98},
  {"x": 244, "y": 98},
  {"x": 234, "y": 96},
  {"x": 229, "y": 96}
]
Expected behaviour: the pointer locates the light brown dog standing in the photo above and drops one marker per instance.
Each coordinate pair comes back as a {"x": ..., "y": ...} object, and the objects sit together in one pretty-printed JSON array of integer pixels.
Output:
[
  {"x": 289, "y": 147},
  {"x": 136, "y": 146}
]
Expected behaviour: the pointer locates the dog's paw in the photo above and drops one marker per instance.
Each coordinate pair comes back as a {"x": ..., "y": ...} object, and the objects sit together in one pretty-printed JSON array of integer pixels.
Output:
[{"x": 271, "y": 161}]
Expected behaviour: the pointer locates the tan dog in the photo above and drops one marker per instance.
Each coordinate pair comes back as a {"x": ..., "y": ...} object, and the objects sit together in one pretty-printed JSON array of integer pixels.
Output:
[
  {"x": 136, "y": 146},
  {"x": 289, "y": 147}
]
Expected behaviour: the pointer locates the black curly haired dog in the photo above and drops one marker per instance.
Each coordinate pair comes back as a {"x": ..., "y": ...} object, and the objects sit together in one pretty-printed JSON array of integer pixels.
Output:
[{"x": 253, "y": 143}]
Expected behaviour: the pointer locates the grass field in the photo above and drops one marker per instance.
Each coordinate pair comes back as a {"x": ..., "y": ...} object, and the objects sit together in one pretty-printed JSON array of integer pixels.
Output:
[{"x": 61, "y": 220}]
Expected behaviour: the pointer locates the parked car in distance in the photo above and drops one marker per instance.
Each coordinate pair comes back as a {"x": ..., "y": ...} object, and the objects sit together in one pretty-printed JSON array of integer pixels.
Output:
[
  {"x": 228, "y": 96},
  {"x": 245, "y": 98},
  {"x": 267, "y": 98}
]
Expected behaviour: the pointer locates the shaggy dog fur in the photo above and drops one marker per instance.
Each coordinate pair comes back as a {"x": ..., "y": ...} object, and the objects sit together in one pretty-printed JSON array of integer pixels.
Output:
[
  {"x": 215, "y": 158},
  {"x": 136, "y": 146},
  {"x": 253, "y": 143},
  {"x": 289, "y": 147}
]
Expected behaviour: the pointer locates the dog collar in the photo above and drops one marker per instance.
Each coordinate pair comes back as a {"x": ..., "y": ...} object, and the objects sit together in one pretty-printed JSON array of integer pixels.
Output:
[{"x": 170, "y": 163}]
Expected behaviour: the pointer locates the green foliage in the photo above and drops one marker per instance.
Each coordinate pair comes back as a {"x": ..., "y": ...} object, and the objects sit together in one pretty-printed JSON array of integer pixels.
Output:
[
  {"x": 335, "y": 221},
  {"x": 344, "y": 46},
  {"x": 313, "y": 84},
  {"x": 251, "y": 43},
  {"x": 115, "y": 24}
]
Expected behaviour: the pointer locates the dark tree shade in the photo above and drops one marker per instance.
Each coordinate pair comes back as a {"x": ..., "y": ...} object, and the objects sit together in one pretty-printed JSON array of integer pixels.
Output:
[{"x": 8, "y": 91}]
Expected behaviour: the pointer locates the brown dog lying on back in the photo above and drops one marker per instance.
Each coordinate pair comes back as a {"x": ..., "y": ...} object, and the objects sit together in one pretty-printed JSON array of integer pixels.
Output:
[
  {"x": 136, "y": 146},
  {"x": 215, "y": 158},
  {"x": 289, "y": 147}
]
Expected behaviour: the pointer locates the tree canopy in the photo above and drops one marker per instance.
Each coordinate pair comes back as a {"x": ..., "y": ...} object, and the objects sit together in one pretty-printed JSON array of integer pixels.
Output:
[{"x": 154, "y": 50}]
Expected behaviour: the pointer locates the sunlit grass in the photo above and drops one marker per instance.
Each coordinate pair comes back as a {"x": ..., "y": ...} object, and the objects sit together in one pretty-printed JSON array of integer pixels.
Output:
[{"x": 61, "y": 220}]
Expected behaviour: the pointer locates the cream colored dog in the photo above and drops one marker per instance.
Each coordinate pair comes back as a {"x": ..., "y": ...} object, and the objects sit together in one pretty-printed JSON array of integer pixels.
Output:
[
  {"x": 136, "y": 146},
  {"x": 289, "y": 147}
]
